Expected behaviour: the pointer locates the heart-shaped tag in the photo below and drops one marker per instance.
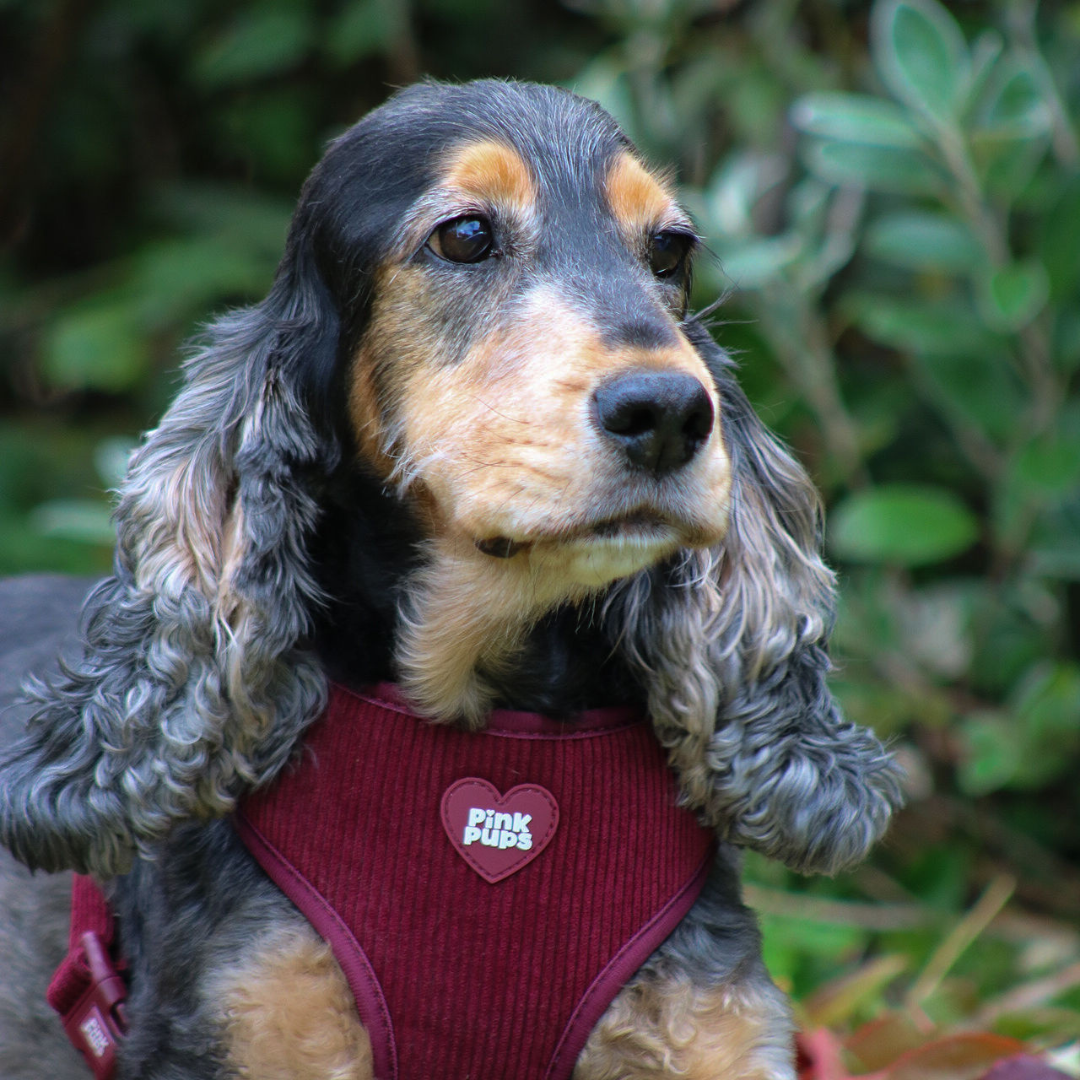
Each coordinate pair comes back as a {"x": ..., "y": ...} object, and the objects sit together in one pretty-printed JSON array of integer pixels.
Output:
[{"x": 498, "y": 834}]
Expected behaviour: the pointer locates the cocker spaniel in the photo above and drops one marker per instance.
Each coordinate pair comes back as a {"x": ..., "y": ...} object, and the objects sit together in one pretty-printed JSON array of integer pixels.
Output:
[{"x": 465, "y": 622}]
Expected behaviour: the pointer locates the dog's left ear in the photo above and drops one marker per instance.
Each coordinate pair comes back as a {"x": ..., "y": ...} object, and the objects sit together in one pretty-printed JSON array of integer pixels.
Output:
[
  {"x": 193, "y": 685},
  {"x": 733, "y": 647}
]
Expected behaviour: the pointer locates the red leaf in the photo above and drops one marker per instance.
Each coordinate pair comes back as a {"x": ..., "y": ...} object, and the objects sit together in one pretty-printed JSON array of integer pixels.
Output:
[
  {"x": 821, "y": 1056},
  {"x": 880, "y": 1042},
  {"x": 956, "y": 1057}
]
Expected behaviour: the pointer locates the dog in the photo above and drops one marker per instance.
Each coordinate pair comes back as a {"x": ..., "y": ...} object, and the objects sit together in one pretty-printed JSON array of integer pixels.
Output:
[{"x": 474, "y": 445}]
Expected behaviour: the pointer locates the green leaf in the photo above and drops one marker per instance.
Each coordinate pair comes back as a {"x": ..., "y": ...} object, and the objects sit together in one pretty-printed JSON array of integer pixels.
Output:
[
  {"x": 82, "y": 520},
  {"x": 789, "y": 940},
  {"x": 1050, "y": 466},
  {"x": 258, "y": 43},
  {"x": 275, "y": 128},
  {"x": 924, "y": 241},
  {"x": 1067, "y": 340},
  {"x": 755, "y": 101},
  {"x": 990, "y": 753},
  {"x": 605, "y": 81},
  {"x": 976, "y": 389},
  {"x": 737, "y": 186},
  {"x": 360, "y": 30},
  {"x": 924, "y": 327},
  {"x": 855, "y": 118},
  {"x": 902, "y": 524},
  {"x": 751, "y": 265},
  {"x": 1015, "y": 107},
  {"x": 111, "y": 457},
  {"x": 99, "y": 345},
  {"x": 1060, "y": 245},
  {"x": 1054, "y": 550},
  {"x": 27, "y": 550},
  {"x": 1056, "y": 557},
  {"x": 881, "y": 168},
  {"x": 173, "y": 278},
  {"x": 922, "y": 57},
  {"x": 807, "y": 205},
  {"x": 1047, "y": 708},
  {"x": 247, "y": 218},
  {"x": 986, "y": 51},
  {"x": 1008, "y": 168},
  {"x": 1012, "y": 296},
  {"x": 1048, "y": 701}
]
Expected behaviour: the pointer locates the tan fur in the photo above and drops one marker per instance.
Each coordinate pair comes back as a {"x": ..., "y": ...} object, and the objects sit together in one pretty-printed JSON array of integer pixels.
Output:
[
  {"x": 288, "y": 1013},
  {"x": 233, "y": 553},
  {"x": 641, "y": 201},
  {"x": 506, "y": 443},
  {"x": 365, "y": 417},
  {"x": 492, "y": 173},
  {"x": 182, "y": 519},
  {"x": 502, "y": 444},
  {"x": 492, "y": 436},
  {"x": 660, "y": 1028},
  {"x": 468, "y": 611}
]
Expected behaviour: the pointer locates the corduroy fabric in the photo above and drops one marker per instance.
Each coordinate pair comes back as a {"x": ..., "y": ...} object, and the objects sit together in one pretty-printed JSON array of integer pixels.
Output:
[
  {"x": 455, "y": 977},
  {"x": 89, "y": 912}
]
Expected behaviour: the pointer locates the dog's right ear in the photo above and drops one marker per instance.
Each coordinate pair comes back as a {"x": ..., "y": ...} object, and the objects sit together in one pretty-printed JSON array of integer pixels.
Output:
[{"x": 192, "y": 686}]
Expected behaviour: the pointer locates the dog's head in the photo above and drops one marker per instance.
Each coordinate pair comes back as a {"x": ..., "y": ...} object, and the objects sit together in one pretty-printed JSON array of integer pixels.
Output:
[
  {"x": 516, "y": 366},
  {"x": 482, "y": 310}
]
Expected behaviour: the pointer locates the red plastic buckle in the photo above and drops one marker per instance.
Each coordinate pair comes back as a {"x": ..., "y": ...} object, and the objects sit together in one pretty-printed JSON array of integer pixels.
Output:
[{"x": 97, "y": 1023}]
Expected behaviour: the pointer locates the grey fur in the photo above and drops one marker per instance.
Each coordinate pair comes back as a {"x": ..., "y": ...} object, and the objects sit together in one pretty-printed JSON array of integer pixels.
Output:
[{"x": 193, "y": 687}]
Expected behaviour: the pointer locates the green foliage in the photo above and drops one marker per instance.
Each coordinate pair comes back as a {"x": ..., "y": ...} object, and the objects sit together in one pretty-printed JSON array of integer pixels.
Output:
[
  {"x": 260, "y": 41},
  {"x": 902, "y": 525},
  {"x": 922, "y": 57},
  {"x": 891, "y": 191}
]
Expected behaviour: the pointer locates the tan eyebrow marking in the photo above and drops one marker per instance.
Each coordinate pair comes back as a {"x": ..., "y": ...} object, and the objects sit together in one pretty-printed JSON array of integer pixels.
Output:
[
  {"x": 640, "y": 200},
  {"x": 493, "y": 173}
]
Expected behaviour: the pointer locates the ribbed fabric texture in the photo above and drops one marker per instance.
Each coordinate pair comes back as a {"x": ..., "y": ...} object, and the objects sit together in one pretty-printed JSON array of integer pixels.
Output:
[
  {"x": 457, "y": 978},
  {"x": 89, "y": 911}
]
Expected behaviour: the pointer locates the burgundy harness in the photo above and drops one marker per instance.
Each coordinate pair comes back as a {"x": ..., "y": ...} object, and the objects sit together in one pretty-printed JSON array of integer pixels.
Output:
[{"x": 486, "y": 894}]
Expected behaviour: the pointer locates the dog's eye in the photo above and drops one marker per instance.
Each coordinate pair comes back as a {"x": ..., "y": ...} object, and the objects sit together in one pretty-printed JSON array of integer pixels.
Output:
[
  {"x": 667, "y": 253},
  {"x": 463, "y": 240}
]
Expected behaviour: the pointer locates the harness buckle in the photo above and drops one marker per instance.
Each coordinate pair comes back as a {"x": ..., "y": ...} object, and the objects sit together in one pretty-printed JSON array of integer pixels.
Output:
[{"x": 97, "y": 1023}]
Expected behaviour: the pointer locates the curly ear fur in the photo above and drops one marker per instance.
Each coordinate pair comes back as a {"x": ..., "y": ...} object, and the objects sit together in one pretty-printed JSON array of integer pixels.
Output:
[
  {"x": 191, "y": 685},
  {"x": 732, "y": 644}
]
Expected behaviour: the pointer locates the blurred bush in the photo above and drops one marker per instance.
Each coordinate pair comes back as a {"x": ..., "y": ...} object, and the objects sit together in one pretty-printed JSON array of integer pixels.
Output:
[{"x": 891, "y": 193}]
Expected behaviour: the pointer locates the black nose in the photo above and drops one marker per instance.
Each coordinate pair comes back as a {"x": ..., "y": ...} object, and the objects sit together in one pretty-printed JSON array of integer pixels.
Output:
[{"x": 659, "y": 418}]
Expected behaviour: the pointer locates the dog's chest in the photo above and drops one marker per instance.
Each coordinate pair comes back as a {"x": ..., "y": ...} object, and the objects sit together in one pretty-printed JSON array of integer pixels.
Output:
[{"x": 486, "y": 894}]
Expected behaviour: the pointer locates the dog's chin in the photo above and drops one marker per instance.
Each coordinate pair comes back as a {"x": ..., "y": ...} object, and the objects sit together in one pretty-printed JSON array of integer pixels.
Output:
[
  {"x": 480, "y": 590},
  {"x": 607, "y": 553},
  {"x": 602, "y": 552}
]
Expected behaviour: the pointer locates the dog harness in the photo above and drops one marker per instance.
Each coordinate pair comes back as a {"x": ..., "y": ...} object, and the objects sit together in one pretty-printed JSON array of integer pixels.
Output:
[{"x": 487, "y": 894}]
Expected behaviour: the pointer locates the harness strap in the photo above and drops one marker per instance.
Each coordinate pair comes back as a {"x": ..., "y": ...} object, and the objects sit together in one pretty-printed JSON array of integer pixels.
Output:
[{"x": 87, "y": 990}]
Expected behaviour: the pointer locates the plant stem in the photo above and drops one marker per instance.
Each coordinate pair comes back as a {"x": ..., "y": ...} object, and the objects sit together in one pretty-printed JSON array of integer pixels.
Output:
[
  {"x": 962, "y": 936},
  {"x": 1020, "y": 19}
]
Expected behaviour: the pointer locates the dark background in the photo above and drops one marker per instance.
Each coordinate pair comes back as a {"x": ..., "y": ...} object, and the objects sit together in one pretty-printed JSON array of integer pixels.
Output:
[{"x": 891, "y": 195}]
